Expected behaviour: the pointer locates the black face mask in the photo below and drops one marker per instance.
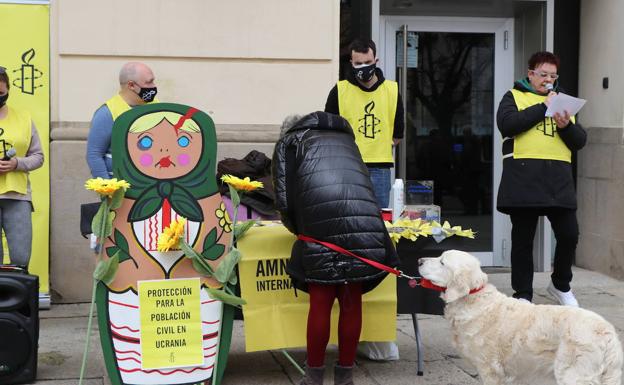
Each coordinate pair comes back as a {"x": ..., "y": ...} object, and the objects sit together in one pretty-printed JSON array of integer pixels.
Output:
[
  {"x": 364, "y": 72},
  {"x": 3, "y": 99},
  {"x": 148, "y": 94}
]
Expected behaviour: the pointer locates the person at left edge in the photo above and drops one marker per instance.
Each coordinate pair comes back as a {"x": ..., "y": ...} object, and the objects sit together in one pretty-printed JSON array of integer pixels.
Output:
[
  {"x": 20, "y": 153},
  {"x": 137, "y": 87}
]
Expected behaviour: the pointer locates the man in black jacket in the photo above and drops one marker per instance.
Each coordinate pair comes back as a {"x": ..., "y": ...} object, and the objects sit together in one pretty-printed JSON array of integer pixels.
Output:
[{"x": 537, "y": 176}]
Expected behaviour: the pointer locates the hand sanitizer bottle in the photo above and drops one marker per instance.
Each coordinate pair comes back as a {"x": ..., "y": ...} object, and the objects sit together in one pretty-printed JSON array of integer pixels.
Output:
[{"x": 396, "y": 199}]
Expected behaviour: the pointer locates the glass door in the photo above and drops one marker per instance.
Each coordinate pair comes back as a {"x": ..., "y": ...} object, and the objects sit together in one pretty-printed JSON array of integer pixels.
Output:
[{"x": 448, "y": 81}]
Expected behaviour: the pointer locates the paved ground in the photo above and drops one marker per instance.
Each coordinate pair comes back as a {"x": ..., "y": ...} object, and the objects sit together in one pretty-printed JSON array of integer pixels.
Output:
[{"x": 63, "y": 331}]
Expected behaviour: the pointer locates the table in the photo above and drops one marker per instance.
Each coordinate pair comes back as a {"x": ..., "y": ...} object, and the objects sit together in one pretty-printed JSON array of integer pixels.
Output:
[{"x": 276, "y": 313}]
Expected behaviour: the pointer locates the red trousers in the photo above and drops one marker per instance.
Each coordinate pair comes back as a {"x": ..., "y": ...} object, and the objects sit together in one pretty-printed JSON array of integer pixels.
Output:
[{"x": 349, "y": 324}]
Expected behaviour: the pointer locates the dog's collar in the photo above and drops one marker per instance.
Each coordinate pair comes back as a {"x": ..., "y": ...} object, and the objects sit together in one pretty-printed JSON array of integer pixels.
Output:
[{"x": 427, "y": 284}]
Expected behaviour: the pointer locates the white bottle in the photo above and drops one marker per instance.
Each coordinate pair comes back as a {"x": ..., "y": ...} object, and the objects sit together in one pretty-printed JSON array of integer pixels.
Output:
[{"x": 396, "y": 199}]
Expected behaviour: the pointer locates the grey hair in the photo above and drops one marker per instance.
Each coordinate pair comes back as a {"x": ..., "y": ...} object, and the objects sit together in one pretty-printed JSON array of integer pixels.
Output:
[
  {"x": 128, "y": 72},
  {"x": 289, "y": 122}
]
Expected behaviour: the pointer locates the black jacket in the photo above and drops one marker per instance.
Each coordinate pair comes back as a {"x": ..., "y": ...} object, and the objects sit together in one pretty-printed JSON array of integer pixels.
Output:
[
  {"x": 257, "y": 166},
  {"x": 323, "y": 190},
  {"x": 537, "y": 183}
]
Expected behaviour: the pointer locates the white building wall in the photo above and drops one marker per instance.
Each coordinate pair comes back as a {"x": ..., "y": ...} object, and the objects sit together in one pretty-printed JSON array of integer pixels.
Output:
[{"x": 246, "y": 63}]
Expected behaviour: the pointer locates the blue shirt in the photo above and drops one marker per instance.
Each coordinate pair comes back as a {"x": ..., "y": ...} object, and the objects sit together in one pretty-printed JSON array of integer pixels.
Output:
[{"x": 98, "y": 144}]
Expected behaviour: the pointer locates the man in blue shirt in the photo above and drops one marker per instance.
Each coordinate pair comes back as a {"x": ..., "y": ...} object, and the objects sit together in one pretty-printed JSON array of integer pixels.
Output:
[{"x": 137, "y": 87}]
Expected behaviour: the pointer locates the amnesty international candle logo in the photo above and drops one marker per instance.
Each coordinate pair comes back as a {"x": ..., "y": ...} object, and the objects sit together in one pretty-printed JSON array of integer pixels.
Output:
[
  {"x": 369, "y": 122},
  {"x": 547, "y": 127},
  {"x": 171, "y": 333},
  {"x": 4, "y": 145},
  {"x": 27, "y": 74}
]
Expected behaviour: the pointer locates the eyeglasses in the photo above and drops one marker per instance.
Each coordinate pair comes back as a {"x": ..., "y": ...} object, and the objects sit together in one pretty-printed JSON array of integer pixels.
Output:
[{"x": 542, "y": 74}]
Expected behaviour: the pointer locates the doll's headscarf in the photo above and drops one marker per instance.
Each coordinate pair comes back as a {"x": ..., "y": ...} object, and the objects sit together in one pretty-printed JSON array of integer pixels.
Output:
[{"x": 182, "y": 192}]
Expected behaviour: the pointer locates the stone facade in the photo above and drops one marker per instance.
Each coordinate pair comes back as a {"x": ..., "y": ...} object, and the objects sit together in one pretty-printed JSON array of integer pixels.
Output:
[
  {"x": 601, "y": 202},
  {"x": 600, "y": 181}
]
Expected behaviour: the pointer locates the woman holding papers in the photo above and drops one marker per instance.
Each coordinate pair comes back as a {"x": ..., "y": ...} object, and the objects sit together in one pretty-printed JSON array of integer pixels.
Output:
[{"x": 537, "y": 176}]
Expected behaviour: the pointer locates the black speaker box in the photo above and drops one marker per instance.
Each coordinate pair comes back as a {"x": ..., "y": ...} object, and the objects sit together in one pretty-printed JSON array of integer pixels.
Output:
[{"x": 19, "y": 326}]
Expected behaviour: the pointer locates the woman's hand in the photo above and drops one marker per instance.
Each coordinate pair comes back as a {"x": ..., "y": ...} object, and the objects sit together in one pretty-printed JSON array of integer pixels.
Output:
[
  {"x": 562, "y": 120},
  {"x": 8, "y": 165}
]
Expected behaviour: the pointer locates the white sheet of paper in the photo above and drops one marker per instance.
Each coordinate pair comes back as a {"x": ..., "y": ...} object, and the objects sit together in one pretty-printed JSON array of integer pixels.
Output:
[{"x": 562, "y": 102}]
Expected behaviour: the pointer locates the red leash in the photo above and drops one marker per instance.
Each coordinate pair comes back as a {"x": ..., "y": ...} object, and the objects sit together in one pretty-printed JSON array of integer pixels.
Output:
[
  {"x": 339, "y": 249},
  {"x": 413, "y": 281}
]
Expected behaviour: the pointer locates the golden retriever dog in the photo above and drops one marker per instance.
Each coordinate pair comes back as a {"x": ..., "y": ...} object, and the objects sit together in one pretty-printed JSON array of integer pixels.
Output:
[{"x": 515, "y": 342}]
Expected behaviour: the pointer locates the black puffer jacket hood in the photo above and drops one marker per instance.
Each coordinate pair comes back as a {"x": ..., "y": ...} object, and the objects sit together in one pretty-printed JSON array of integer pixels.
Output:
[{"x": 323, "y": 190}]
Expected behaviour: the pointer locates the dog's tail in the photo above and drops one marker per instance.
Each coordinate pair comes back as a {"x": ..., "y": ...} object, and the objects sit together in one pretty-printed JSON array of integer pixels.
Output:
[{"x": 613, "y": 360}]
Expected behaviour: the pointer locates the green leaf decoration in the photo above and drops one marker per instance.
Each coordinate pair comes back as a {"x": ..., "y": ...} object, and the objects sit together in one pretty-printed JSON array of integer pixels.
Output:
[
  {"x": 213, "y": 253},
  {"x": 108, "y": 227},
  {"x": 224, "y": 297},
  {"x": 110, "y": 251},
  {"x": 201, "y": 268},
  {"x": 105, "y": 270},
  {"x": 227, "y": 265},
  {"x": 97, "y": 224},
  {"x": 122, "y": 244},
  {"x": 211, "y": 238},
  {"x": 199, "y": 264},
  {"x": 233, "y": 279},
  {"x": 241, "y": 228},
  {"x": 212, "y": 249},
  {"x": 117, "y": 199},
  {"x": 234, "y": 195},
  {"x": 188, "y": 250}
]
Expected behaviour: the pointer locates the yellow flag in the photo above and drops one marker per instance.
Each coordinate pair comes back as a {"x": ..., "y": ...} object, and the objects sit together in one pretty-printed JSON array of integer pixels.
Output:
[{"x": 25, "y": 52}]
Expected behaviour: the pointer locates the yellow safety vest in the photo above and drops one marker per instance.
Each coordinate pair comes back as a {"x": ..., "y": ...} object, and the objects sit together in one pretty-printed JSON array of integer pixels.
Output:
[
  {"x": 117, "y": 105},
  {"x": 542, "y": 141},
  {"x": 15, "y": 132},
  {"x": 371, "y": 116}
]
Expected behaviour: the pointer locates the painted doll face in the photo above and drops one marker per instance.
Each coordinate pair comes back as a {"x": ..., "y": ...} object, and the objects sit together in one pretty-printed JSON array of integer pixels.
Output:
[{"x": 162, "y": 153}]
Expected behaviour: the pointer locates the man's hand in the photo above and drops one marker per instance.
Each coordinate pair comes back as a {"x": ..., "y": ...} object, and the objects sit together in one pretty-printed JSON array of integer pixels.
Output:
[
  {"x": 8, "y": 165},
  {"x": 562, "y": 120},
  {"x": 396, "y": 141}
]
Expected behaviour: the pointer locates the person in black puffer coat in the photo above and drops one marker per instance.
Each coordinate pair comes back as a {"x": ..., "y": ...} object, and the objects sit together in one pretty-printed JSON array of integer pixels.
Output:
[{"x": 323, "y": 191}]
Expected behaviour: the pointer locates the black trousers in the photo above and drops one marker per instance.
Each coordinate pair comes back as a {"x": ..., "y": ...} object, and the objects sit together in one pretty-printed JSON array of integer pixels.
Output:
[{"x": 524, "y": 223}]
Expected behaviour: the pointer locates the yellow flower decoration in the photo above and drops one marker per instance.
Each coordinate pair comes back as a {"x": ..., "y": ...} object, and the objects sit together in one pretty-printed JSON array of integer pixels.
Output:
[
  {"x": 224, "y": 218},
  {"x": 106, "y": 187},
  {"x": 412, "y": 229},
  {"x": 395, "y": 237},
  {"x": 241, "y": 184},
  {"x": 170, "y": 237}
]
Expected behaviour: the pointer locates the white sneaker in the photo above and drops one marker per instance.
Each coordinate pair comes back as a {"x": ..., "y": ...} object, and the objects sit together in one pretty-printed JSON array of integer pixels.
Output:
[
  {"x": 564, "y": 298},
  {"x": 524, "y": 300}
]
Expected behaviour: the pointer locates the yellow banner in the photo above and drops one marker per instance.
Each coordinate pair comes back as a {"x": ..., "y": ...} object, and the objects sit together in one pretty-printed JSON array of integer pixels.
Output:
[
  {"x": 25, "y": 52},
  {"x": 276, "y": 315},
  {"x": 171, "y": 328}
]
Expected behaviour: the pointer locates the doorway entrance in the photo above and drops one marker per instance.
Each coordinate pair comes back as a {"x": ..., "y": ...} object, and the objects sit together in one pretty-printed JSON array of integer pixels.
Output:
[{"x": 452, "y": 72}]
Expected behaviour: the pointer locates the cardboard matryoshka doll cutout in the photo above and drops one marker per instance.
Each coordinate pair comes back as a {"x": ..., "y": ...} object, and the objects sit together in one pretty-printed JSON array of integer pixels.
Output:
[{"x": 167, "y": 153}]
